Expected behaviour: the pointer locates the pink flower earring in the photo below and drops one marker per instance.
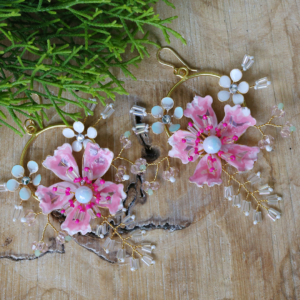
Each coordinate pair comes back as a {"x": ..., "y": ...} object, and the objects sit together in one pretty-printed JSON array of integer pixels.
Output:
[{"x": 216, "y": 144}]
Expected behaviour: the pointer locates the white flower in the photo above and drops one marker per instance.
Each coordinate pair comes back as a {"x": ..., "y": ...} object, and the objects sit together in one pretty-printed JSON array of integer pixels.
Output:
[
  {"x": 235, "y": 88},
  {"x": 80, "y": 138},
  {"x": 158, "y": 112},
  {"x": 18, "y": 171}
]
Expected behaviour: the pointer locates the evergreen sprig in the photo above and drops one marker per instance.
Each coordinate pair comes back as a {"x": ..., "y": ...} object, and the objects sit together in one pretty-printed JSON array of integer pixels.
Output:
[{"x": 69, "y": 46}]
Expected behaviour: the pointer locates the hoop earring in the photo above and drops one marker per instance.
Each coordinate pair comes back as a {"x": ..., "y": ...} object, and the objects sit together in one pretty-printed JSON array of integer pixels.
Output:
[{"x": 215, "y": 144}]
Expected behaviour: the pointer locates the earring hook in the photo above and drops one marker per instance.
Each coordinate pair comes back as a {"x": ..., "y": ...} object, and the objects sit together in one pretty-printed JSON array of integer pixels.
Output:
[{"x": 176, "y": 70}]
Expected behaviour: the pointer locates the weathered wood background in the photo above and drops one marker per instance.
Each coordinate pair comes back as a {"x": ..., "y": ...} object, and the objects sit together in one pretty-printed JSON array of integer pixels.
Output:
[{"x": 219, "y": 253}]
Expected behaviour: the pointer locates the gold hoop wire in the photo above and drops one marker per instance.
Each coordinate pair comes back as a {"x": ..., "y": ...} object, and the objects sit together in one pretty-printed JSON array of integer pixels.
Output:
[{"x": 182, "y": 72}]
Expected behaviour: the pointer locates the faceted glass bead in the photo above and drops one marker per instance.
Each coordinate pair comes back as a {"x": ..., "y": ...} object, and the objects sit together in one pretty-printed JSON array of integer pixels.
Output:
[
  {"x": 139, "y": 166},
  {"x": 166, "y": 119},
  {"x": 233, "y": 88},
  {"x": 40, "y": 246},
  {"x": 166, "y": 175},
  {"x": 174, "y": 172},
  {"x": 120, "y": 173},
  {"x": 125, "y": 142},
  {"x": 154, "y": 185},
  {"x": 60, "y": 239},
  {"x": 285, "y": 131},
  {"x": 146, "y": 185},
  {"x": 228, "y": 192},
  {"x": 268, "y": 140},
  {"x": 277, "y": 112},
  {"x": 80, "y": 137},
  {"x": 25, "y": 180},
  {"x": 29, "y": 218}
]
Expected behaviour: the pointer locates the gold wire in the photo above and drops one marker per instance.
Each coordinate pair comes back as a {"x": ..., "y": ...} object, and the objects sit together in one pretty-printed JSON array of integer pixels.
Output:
[{"x": 182, "y": 72}]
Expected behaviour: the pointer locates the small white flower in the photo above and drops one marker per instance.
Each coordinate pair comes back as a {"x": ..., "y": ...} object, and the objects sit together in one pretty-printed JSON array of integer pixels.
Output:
[
  {"x": 158, "y": 112},
  {"x": 18, "y": 172},
  {"x": 80, "y": 137},
  {"x": 235, "y": 89}
]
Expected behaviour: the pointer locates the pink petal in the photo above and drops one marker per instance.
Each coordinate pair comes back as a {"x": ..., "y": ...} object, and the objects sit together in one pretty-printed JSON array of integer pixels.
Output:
[
  {"x": 61, "y": 161},
  {"x": 97, "y": 159},
  {"x": 199, "y": 107},
  {"x": 49, "y": 200},
  {"x": 181, "y": 150},
  {"x": 244, "y": 156},
  {"x": 72, "y": 227},
  {"x": 116, "y": 198},
  {"x": 238, "y": 119},
  {"x": 203, "y": 175}
]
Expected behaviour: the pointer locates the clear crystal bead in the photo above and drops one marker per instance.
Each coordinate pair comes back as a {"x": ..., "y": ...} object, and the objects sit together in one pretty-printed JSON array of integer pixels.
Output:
[
  {"x": 17, "y": 212},
  {"x": 236, "y": 200},
  {"x": 245, "y": 207},
  {"x": 254, "y": 178},
  {"x": 273, "y": 214},
  {"x": 262, "y": 83},
  {"x": 108, "y": 245},
  {"x": 92, "y": 106},
  {"x": 166, "y": 119},
  {"x": 80, "y": 137},
  {"x": 257, "y": 218},
  {"x": 3, "y": 187},
  {"x": 134, "y": 264},
  {"x": 233, "y": 88},
  {"x": 228, "y": 192},
  {"x": 25, "y": 180},
  {"x": 148, "y": 260},
  {"x": 121, "y": 255},
  {"x": 29, "y": 218},
  {"x": 108, "y": 111}
]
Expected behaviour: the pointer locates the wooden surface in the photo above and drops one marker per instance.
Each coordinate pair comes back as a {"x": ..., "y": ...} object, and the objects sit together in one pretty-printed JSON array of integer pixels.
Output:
[{"x": 219, "y": 253}]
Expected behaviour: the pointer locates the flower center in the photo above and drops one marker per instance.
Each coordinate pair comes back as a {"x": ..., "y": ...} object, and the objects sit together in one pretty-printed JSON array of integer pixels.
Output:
[
  {"x": 212, "y": 144},
  {"x": 84, "y": 194},
  {"x": 233, "y": 88},
  {"x": 80, "y": 137},
  {"x": 166, "y": 119},
  {"x": 25, "y": 180}
]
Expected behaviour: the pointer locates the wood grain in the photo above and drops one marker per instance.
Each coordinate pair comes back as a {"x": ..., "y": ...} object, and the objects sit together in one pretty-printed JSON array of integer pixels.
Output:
[{"x": 219, "y": 254}]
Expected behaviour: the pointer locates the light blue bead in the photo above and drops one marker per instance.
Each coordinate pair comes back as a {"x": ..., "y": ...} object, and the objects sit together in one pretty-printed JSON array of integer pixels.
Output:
[
  {"x": 37, "y": 253},
  {"x": 127, "y": 134},
  {"x": 17, "y": 171},
  {"x": 68, "y": 238},
  {"x": 158, "y": 127},
  {"x": 25, "y": 193},
  {"x": 174, "y": 127},
  {"x": 83, "y": 194},
  {"x": 292, "y": 128},
  {"x": 212, "y": 144},
  {"x": 37, "y": 179},
  {"x": 12, "y": 185},
  {"x": 178, "y": 112},
  {"x": 280, "y": 106},
  {"x": 150, "y": 192},
  {"x": 157, "y": 111}
]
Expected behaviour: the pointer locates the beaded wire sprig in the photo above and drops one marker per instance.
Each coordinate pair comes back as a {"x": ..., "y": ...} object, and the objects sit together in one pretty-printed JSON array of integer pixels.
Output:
[
  {"x": 210, "y": 142},
  {"x": 82, "y": 198}
]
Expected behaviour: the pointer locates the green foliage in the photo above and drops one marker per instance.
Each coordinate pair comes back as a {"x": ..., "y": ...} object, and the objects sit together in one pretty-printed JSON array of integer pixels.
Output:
[{"x": 69, "y": 46}]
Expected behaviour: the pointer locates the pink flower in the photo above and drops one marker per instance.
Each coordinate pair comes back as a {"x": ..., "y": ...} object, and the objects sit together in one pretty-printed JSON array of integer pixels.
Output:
[
  {"x": 212, "y": 141},
  {"x": 80, "y": 198}
]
